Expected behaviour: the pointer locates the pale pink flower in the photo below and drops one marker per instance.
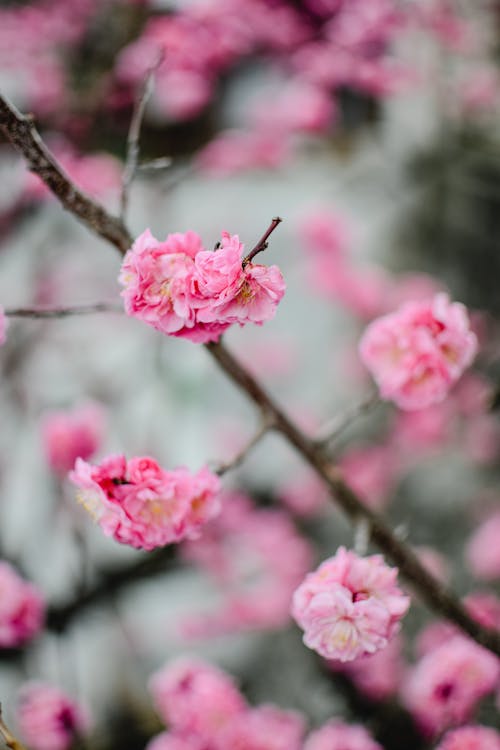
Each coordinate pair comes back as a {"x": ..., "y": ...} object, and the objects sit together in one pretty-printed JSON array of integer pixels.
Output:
[
  {"x": 195, "y": 697},
  {"x": 71, "y": 434},
  {"x": 444, "y": 687},
  {"x": 4, "y": 322},
  {"x": 140, "y": 504},
  {"x": 350, "y": 606},
  {"x": 418, "y": 352},
  {"x": 22, "y": 608},
  {"x": 48, "y": 718},
  {"x": 473, "y": 737},
  {"x": 483, "y": 550},
  {"x": 336, "y": 735},
  {"x": 234, "y": 151},
  {"x": 182, "y": 290},
  {"x": 266, "y": 727},
  {"x": 298, "y": 107}
]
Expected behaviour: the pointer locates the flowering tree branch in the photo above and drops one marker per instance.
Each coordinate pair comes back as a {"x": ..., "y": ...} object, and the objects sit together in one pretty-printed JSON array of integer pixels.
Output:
[
  {"x": 262, "y": 243},
  {"x": 20, "y": 131}
]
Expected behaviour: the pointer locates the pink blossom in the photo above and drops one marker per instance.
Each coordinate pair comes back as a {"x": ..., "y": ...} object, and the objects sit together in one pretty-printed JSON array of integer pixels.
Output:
[
  {"x": 418, "y": 352},
  {"x": 175, "y": 741},
  {"x": 266, "y": 727},
  {"x": 140, "y": 504},
  {"x": 22, "y": 608},
  {"x": 4, "y": 322},
  {"x": 68, "y": 435},
  {"x": 194, "y": 697},
  {"x": 350, "y": 606},
  {"x": 443, "y": 689},
  {"x": 181, "y": 289},
  {"x": 473, "y": 737},
  {"x": 299, "y": 107},
  {"x": 483, "y": 550},
  {"x": 234, "y": 151},
  {"x": 48, "y": 719},
  {"x": 336, "y": 735}
]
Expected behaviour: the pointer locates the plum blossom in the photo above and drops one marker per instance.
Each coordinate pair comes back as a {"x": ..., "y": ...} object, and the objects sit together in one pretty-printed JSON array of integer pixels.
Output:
[
  {"x": 183, "y": 290},
  {"x": 350, "y": 606},
  {"x": 336, "y": 735},
  {"x": 48, "y": 718},
  {"x": 444, "y": 687},
  {"x": 473, "y": 737},
  {"x": 175, "y": 741},
  {"x": 71, "y": 434},
  {"x": 266, "y": 726},
  {"x": 22, "y": 608},
  {"x": 139, "y": 503},
  {"x": 195, "y": 697},
  {"x": 418, "y": 352},
  {"x": 4, "y": 322}
]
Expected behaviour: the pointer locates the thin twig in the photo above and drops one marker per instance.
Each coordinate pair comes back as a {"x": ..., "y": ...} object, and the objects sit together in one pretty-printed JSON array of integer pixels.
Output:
[
  {"x": 333, "y": 429},
  {"x": 10, "y": 740},
  {"x": 134, "y": 134},
  {"x": 262, "y": 243},
  {"x": 265, "y": 426},
  {"x": 154, "y": 165},
  {"x": 62, "y": 312},
  {"x": 21, "y": 132}
]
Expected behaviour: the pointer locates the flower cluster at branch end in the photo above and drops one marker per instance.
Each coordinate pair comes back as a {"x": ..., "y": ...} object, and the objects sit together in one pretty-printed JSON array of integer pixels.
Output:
[
  {"x": 139, "y": 503},
  {"x": 183, "y": 290},
  {"x": 48, "y": 718},
  {"x": 350, "y": 606},
  {"x": 22, "y": 608},
  {"x": 418, "y": 352}
]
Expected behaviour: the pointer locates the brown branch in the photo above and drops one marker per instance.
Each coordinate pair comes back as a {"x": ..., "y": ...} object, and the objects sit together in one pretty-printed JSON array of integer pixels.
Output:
[
  {"x": 21, "y": 132},
  {"x": 10, "y": 740},
  {"x": 262, "y": 243},
  {"x": 62, "y": 312}
]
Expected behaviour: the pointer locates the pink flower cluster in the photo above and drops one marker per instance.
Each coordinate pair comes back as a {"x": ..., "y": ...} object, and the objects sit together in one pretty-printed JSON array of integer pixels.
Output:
[
  {"x": 256, "y": 583},
  {"x": 204, "y": 709},
  {"x": 472, "y": 737},
  {"x": 182, "y": 289},
  {"x": 71, "y": 434},
  {"x": 22, "y": 608},
  {"x": 350, "y": 606},
  {"x": 48, "y": 718},
  {"x": 139, "y": 503},
  {"x": 418, "y": 352}
]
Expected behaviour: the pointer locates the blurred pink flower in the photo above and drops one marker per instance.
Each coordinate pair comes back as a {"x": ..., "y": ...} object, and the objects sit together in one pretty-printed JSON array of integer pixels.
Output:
[
  {"x": 483, "y": 551},
  {"x": 22, "y": 608},
  {"x": 418, "y": 352},
  {"x": 266, "y": 727},
  {"x": 176, "y": 741},
  {"x": 48, "y": 719},
  {"x": 234, "y": 151},
  {"x": 378, "y": 675},
  {"x": 474, "y": 737},
  {"x": 71, "y": 434},
  {"x": 350, "y": 606},
  {"x": 140, "y": 504},
  {"x": 195, "y": 697},
  {"x": 336, "y": 735}
]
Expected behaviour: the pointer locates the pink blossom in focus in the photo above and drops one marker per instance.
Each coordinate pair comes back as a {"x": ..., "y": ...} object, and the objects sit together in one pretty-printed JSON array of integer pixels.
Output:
[
  {"x": 140, "y": 504},
  {"x": 4, "y": 322},
  {"x": 180, "y": 289},
  {"x": 68, "y": 435},
  {"x": 473, "y": 737},
  {"x": 48, "y": 719},
  {"x": 336, "y": 735},
  {"x": 350, "y": 606},
  {"x": 483, "y": 550},
  {"x": 194, "y": 697},
  {"x": 266, "y": 727},
  {"x": 444, "y": 687},
  {"x": 22, "y": 608},
  {"x": 418, "y": 352}
]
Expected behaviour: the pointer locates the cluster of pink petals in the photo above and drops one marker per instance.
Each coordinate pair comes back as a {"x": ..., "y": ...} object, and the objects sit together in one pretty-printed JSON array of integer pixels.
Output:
[
  {"x": 445, "y": 686},
  {"x": 417, "y": 353},
  {"x": 256, "y": 583},
  {"x": 181, "y": 289},
  {"x": 483, "y": 550},
  {"x": 71, "y": 434},
  {"x": 336, "y": 735},
  {"x": 22, "y": 608},
  {"x": 350, "y": 606},
  {"x": 139, "y": 503},
  {"x": 48, "y": 718},
  {"x": 474, "y": 737},
  {"x": 4, "y": 322}
]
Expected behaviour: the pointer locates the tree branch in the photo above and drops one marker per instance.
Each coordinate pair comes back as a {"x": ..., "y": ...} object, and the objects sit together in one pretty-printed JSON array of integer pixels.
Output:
[
  {"x": 21, "y": 132},
  {"x": 62, "y": 312},
  {"x": 262, "y": 243},
  {"x": 10, "y": 740}
]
